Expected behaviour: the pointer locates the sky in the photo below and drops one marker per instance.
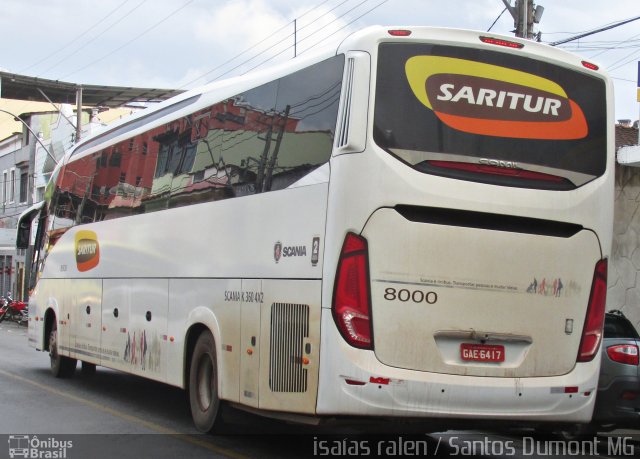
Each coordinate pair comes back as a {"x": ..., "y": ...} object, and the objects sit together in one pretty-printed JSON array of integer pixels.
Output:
[{"x": 186, "y": 43}]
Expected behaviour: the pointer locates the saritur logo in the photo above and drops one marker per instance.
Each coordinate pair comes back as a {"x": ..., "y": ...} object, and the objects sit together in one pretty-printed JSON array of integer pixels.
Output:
[
  {"x": 87, "y": 250},
  {"x": 494, "y": 101}
]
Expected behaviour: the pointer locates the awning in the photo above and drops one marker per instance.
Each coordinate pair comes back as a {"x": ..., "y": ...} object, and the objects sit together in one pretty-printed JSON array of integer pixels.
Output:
[{"x": 24, "y": 87}]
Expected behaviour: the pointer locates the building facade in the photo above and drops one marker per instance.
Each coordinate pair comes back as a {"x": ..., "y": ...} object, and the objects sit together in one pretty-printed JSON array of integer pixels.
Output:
[
  {"x": 26, "y": 164},
  {"x": 624, "y": 266}
]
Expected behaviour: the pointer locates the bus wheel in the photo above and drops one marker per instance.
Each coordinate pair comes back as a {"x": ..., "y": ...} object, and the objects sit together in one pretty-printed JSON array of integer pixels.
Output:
[
  {"x": 203, "y": 385},
  {"x": 61, "y": 367}
]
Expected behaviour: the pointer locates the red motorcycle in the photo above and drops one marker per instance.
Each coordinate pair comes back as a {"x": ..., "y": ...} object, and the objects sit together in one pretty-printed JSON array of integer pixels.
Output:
[{"x": 13, "y": 309}]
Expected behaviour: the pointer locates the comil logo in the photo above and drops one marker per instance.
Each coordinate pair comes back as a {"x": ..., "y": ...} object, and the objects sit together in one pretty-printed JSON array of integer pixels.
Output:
[
  {"x": 494, "y": 101},
  {"x": 87, "y": 250}
]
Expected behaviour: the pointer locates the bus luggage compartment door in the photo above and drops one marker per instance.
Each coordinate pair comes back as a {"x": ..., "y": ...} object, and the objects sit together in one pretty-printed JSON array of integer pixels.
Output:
[
  {"x": 458, "y": 299},
  {"x": 85, "y": 303}
]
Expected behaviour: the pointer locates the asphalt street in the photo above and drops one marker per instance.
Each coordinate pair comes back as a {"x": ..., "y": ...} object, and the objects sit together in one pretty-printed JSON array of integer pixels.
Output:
[{"x": 112, "y": 414}]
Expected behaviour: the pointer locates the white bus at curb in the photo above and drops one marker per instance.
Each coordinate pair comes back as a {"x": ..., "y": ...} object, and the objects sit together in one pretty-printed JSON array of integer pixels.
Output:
[{"x": 414, "y": 226}]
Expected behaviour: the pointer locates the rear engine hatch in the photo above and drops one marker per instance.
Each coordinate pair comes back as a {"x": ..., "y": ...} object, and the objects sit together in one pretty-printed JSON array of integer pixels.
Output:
[{"x": 478, "y": 294}]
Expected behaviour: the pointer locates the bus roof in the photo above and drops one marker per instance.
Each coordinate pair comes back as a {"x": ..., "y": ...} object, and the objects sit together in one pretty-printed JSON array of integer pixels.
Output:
[{"x": 364, "y": 39}]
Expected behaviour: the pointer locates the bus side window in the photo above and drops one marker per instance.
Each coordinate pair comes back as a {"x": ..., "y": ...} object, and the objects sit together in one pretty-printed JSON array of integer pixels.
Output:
[
  {"x": 247, "y": 137},
  {"x": 308, "y": 106}
]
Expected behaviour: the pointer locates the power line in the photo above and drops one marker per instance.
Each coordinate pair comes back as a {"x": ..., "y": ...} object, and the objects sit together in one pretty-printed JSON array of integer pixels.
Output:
[
  {"x": 575, "y": 33},
  {"x": 602, "y": 29},
  {"x": 624, "y": 79},
  {"x": 237, "y": 56},
  {"x": 630, "y": 39},
  {"x": 301, "y": 40},
  {"x": 497, "y": 19},
  {"x": 323, "y": 15},
  {"x": 88, "y": 42},
  {"x": 349, "y": 23},
  {"x": 50, "y": 55},
  {"x": 627, "y": 60},
  {"x": 324, "y": 38},
  {"x": 262, "y": 41},
  {"x": 149, "y": 29},
  {"x": 255, "y": 45},
  {"x": 335, "y": 20}
]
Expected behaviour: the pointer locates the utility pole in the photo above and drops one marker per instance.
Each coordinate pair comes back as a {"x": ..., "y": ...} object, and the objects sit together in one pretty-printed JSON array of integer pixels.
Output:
[
  {"x": 525, "y": 14},
  {"x": 78, "y": 113}
]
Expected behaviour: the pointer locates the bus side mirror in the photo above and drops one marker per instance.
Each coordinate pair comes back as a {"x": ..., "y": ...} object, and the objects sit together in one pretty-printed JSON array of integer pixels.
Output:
[{"x": 24, "y": 234}]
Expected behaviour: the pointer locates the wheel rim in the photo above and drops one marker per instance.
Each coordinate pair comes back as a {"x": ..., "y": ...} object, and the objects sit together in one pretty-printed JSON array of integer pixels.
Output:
[{"x": 205, "y": 382}]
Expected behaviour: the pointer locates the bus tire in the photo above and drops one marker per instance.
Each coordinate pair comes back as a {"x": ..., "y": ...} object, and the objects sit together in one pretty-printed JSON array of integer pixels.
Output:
[
  {"x": 203, "y": 385},
  {"x": 61, "y": 367}
]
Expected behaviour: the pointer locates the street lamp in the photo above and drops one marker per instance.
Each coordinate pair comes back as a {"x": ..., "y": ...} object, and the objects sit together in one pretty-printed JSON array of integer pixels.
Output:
[{"x": 17, "y": 118}]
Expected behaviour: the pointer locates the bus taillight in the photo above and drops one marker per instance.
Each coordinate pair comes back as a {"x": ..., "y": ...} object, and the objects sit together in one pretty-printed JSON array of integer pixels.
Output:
[
  {"x": 497, "y": 170},
  {"x": 399, "y": 32},
  {"x": 590, "y": 65},
  {"x": 592, "y": 331},
  {"x": 501, "y": 42},
  {"x": 351, "y": 305}
]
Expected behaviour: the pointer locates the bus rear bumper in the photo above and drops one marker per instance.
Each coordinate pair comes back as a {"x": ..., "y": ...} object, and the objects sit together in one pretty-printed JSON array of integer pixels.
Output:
[{"x": 354, "y": 382}]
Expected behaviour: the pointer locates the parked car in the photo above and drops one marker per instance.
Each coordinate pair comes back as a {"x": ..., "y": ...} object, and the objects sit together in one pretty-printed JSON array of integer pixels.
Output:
[{"x": 618, "y": 398}]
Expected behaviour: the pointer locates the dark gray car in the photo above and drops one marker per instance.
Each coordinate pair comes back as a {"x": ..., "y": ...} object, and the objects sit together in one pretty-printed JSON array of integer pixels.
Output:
[{"x": 618, "y": 399}]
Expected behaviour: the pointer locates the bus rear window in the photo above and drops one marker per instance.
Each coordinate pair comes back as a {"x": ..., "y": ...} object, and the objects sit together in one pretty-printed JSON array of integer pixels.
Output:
[{"x": 490, "y": 117}]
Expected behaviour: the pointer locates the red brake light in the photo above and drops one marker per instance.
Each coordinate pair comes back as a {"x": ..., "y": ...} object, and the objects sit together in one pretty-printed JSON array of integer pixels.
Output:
[
  {"x": 624, "y": 353},
  {"x": 501, "y": 42},
  {"x": 590, "y": 66},
  {"x": 399, "y": 32},
  {"x": 351, "y": 309},
  {"x": 592, "y": 331},
  {"x": 495, "y": 170}
]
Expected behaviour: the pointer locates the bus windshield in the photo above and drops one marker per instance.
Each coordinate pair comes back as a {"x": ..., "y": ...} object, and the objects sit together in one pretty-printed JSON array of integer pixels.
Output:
[{"x": 489, "y": 116}]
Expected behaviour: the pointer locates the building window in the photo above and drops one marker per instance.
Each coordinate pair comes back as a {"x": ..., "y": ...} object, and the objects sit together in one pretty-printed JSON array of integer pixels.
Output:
[
  {"x": 12, "y": 185},
  {"x": 5, "y": 179},
  {"x": 116, "y": 159},
  {"x": 24, "y": 186}
]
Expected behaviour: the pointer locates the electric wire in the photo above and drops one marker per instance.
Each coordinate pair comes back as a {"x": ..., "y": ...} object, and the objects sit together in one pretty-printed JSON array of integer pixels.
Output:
[
  {"x": 93, "y": 39},
  {"x": 257, "y": 44},
  {"x": 147, "y": 30},
  {"x": 349, "y": 23},
  {"x": 497, "y": 19},
  {"x": 323, "y": 39},
  {"x": 217, "y": 77},
  {"x": 592, "y": 32},
  {"x": 78, "y": 37}
]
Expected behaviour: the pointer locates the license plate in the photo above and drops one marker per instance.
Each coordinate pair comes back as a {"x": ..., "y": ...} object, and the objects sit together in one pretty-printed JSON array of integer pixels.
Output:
[{"x": 482, "y": 352}]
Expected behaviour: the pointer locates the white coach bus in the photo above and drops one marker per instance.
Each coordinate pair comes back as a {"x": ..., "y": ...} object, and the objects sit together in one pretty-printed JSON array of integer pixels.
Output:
[{"x": 415, "y": 225}]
